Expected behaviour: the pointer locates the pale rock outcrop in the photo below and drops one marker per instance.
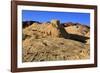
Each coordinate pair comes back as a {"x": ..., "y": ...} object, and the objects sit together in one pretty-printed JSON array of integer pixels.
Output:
[{"x": 77, "y": 29}]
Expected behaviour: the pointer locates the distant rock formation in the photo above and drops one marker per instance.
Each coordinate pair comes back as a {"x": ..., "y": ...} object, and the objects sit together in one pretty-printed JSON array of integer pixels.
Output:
[{"x": 28, "y": 23}]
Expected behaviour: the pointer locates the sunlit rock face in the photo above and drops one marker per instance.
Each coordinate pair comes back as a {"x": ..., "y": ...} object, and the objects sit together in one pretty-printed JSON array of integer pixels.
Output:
[
  {"x": 51, "y": 41},
  {"x": 77, "y": 30}
]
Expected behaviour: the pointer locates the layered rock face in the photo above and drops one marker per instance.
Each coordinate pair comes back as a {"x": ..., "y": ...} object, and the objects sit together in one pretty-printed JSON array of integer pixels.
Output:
[{"x": 53, "y": 41}]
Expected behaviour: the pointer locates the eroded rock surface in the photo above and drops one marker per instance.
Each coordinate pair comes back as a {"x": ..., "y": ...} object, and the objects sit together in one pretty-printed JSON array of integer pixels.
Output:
[{"x": 51, "y": 41}]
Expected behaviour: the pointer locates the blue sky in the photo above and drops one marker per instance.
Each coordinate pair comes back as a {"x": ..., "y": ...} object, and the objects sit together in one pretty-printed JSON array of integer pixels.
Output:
[{"x": 44, "y": 16}]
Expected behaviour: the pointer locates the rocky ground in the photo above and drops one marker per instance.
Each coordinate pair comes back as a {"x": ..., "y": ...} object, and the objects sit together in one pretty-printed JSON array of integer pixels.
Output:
[{"x": 51, "y": 42}]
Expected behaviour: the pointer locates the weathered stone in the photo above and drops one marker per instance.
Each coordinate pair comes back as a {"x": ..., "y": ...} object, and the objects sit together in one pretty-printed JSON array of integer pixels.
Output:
[
  {"x": 52, "y": 41},
  {"x": 55, "y": 23}
]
